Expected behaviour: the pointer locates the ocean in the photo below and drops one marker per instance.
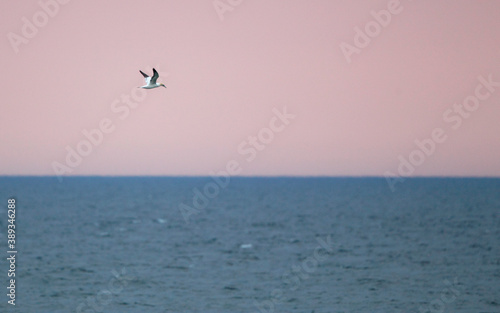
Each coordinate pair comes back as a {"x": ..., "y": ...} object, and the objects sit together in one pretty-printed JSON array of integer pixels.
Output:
[{"x": 195, "y": 244}]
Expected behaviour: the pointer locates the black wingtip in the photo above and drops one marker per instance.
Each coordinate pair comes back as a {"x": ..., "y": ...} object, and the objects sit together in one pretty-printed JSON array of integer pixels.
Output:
[{"x": 143, "y": 74}]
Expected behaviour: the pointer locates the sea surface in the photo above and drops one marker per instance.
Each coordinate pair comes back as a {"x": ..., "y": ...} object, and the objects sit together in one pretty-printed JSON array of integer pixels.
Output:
[{"x": 153, "y": 244}]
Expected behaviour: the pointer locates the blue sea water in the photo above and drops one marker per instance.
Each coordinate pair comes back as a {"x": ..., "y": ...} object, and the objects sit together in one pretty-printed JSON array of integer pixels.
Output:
[{"x": 95, "y": 244}]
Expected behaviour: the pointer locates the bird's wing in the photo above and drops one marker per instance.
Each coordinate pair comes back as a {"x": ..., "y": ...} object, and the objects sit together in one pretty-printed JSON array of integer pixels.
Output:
[
  {"x": 147, "y": 79},
  {"x": 155, "y": 77}
]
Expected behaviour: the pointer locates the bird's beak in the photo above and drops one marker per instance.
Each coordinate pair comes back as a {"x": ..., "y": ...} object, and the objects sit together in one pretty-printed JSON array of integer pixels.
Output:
[{"x": 164, "y": 85}]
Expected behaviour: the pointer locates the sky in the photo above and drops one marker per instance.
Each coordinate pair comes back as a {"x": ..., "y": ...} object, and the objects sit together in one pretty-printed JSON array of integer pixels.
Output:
[{"x": 320, "y": 87}]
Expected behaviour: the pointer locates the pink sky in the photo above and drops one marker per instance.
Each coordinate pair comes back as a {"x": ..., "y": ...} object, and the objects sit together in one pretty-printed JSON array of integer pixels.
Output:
[{"x": 225, "y": 77}]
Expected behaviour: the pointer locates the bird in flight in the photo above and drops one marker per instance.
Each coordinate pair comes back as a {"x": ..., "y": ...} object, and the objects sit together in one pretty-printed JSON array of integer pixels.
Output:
[{"x": 151, "y": 80}]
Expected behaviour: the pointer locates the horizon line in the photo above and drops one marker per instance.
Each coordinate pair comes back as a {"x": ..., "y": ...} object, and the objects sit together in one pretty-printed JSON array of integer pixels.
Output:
[{"x": 245, "y": 176}]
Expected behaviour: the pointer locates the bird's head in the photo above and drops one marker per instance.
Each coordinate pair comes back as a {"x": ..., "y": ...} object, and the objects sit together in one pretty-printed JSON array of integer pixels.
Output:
[{"x": 163, "y": 85}]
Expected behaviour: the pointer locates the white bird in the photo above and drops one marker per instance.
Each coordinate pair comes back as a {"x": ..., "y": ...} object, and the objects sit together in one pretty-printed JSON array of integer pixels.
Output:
[{"x": 151, "y": 81}]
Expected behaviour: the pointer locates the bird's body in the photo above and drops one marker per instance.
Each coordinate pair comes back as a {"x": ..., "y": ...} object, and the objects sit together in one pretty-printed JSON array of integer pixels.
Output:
[{"x": 151, "y": 80}]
